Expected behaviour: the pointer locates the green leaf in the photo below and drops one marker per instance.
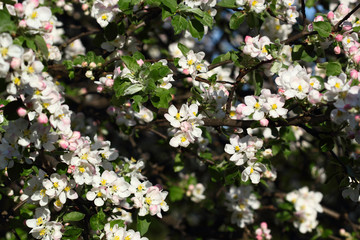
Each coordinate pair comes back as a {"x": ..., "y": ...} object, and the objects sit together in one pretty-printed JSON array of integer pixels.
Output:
[
  {"x": 176, "y": 193},
  {"x": 6, "y": 24},
  {"x": 124, "y": 4},
  {"x": 161, "y": 98},
  {"x": 184, "y": 50},
  {"x": 257, "y": 82},
  {"x": 196, "y": 11},
  {"x": 143, "y": 224},
  {"x": 118, "y": 222},
  {"x": 73, "y": 217},
  {"x": 178, "y": 164},
  {"x": 30, "y": 43},
  {"x": 333, "y": 69},
  {"x": 305, "y": 53},
  {"x": 286, "y": 206},
  {"x": 97, "y": 222},
  {"x": 236, "y": 20},
  {"x": 253, "y": 20},
  {"x": 206, "y": 155},
  {"x": 275, "y": 149},
  {"x": 196, "y": 29},
  {"x": 283, "y": 216},
  {"x": 227, "y": 3},
  {"x": 179, "y": 24},
  {"x": 41, "y": 45},
  {"x": 72, "y": 232},
  {"x": 323, "y": 28},
  {"x": 165, "y": 14},
  {"x": 111, "y": 31},
  {"x": 134, "y": 88},
  {"x": 138, "y": 55},
  {"x": 310, "y": 3},
  {"x": 131, "y": 63},
  {"x": 207, "y": 19},
  {"x": 171, "y": 4},
  {"x": 120, "y": 86}
]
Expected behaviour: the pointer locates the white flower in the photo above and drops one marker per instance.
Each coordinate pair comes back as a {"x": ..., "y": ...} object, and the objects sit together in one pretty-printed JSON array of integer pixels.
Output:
[
  {"x": 254, "y": 105},
  {"x": 175, "y": 117},
  {"x": 7, "y": 48},
  {"x": 197, "y": 193},
  {"x": 253, "y": 172},
  {"x": 36, "y": 16},
  {"x": 193, "y": 63}
]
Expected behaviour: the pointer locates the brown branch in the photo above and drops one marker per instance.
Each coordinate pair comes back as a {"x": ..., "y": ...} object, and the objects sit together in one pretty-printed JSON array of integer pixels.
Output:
[
  {"x": 62, "y": 46},
  {"x": 294, "y": 121},
  {"x": 242, "y": 74},
  {"x": 337, "y": 26},
  {"x": 303, "y": 13},
  {"x": 212, "y": 66},
  {"x": 298, "y": 36}
]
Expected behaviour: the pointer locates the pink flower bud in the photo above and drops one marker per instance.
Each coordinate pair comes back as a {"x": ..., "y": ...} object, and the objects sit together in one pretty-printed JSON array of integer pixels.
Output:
[
  {"x": 263, "y": 225},
  {"x": 318, "y": 19},
  {"x": 354, "y": 74},
  {"x": 92, "y": 65},
  {"x": 84, "y": 7},
  {"x": 356, "y": 58},
  {"x": 186, "y": 71},
  {"x": 191, "y": 187},
  {"x": 21, "y": 112},
  {"x": 71, "y": 168},
  {"x": 339, "y": 38},
  {"x": 99, "y": 89},
  {"x": 337, "y": 50},
  {"x": 140, "y": 62},
  {"x": 84, "y": 64},
  {"x": 48, "y": 27},
  {"x": 15, "y": 63},
  {"x": 19, "y": 8},
  {"x": 310, "y": 27},
  {"x": 42, "y": 118},
  {"x": 63, "y": 144},
  {"x": 248, "y": 40},
  {"x": 330, "y": 15},
  {"x": 22, "y": 24},
  {"x": 111, "y": 110},
  {"x": 264, "y": 122},
  {"x": 357, "y": 118}
]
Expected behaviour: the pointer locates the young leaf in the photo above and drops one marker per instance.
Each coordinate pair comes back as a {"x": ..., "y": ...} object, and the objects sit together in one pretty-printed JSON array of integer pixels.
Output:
[
  {"x": 179, "y": 24},
  {"x": 41, "y": 45},
  {"x": 323, "y": 28},
  {"x": 131, "y": 63},
  {"x": 333, "y": 69},
  {"x": 143, "y": 224},
  {"x": 236, "y": 20},
  {"x": 171, "y": 4},
  {"x": 184, "y": 50},
  {"x": 73, "y": 217}
]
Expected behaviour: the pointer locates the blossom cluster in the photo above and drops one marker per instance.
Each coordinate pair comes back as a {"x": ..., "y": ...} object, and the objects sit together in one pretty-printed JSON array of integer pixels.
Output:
[
  {"x": 307, "y": 205},
  {"x": 242, "y": 203},
  {"x": 243, "y": 150},
  {"x": 186, "y": 123}
]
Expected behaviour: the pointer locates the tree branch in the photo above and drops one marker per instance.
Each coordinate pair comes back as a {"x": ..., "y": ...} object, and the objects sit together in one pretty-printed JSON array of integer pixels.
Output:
[{"x": 337, "y": 26}]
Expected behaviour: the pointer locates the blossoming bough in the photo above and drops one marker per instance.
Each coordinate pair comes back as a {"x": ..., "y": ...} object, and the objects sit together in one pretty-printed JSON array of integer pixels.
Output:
[{"x": 121, "y": 117}]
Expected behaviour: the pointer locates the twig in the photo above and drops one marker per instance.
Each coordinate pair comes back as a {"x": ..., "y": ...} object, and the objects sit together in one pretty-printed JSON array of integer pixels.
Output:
[
  {"x": 303, "y": 13},
  {"x": 62, "y": 46},
  {"x": 337, "y": 26},
  {"x": 212, "y": 66}
]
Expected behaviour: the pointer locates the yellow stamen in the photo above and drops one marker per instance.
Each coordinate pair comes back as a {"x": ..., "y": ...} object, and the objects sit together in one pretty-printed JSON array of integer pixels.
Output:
[
  {"x": 34, "y": 14},
  {"x": 4, "y": 51},
  {"x": 85, "y": 156},
  {"x": 251, "y": 170},
  {"x": 277, "y": 27},
  {"x": 257, "y": 105},
  {"x": 148, "y": 200},
  {"x": 140, "y": 187},
  {"x": 81, "y": 169},
  {"x": 183, "y": 139},
  {"x": 178, "y": 116},
  {"x": 198, "y": 67},
  {"x": 300, "y": 88},
  {"x": 39, "y": 221},
  {"x": 274, "y": 106},
  {"x": 30, "y": 69},
  {"x": 232, "y": 113},
  {"x": 42, "y": 192},
  {"x": 99, "y": 194},
  {"x": 237, "y": 148},
  {"x": 58, "y": 203},
  {"x": 17, "y": 81},
  {"x": 264, "y": 50},
  {"x": 67, "y": 189},
  {"x": 190, "y": 62},
  {"x": 254, "y": 3},
  {"x": 42, "y": 232},
  {"x": 127, "y": 238},
  {"x": 104, "y": 17},
  {"x": 103, "y": 182},
  {"x": 337, "y": 85},
  {"x": 56, "y": 184}
]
